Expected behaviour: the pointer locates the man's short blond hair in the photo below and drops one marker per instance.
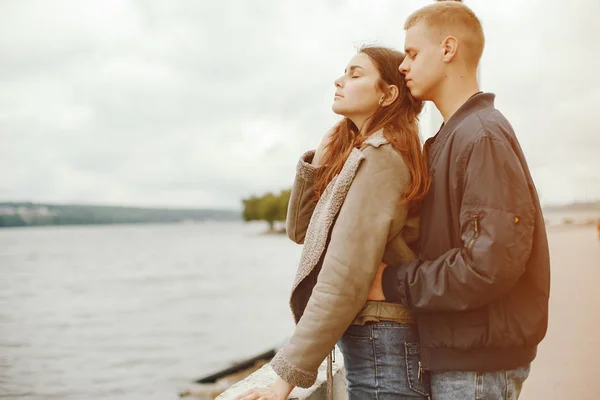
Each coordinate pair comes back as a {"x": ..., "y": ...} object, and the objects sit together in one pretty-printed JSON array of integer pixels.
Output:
[{"x": 452, "y": 18}]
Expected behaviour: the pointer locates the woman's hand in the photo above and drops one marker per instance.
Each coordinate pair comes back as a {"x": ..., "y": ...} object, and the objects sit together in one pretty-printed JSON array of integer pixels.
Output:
[
  {"x": 376, "y": 291},
  {"x": 280, "y": 390},
  {"x": 321, "y": 148},
  {"x": 261, "y": 394}
]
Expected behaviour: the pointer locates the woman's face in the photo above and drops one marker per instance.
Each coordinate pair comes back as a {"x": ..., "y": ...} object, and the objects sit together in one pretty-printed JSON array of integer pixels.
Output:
[{"x": 357, "y": 93}]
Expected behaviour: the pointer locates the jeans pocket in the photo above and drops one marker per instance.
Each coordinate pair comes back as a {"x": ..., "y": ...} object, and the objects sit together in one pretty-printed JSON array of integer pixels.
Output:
[
  {"x": 358, "y": 333},
  {"x": 419, "y": 381}
]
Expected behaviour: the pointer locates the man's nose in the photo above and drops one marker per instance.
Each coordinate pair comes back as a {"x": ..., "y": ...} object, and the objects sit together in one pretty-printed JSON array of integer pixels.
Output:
[{"x": 402, "y": 68}]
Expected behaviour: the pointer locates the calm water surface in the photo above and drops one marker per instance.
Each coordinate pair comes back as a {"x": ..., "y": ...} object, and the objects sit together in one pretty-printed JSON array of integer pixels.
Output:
[{"x": 137, "y": 311}]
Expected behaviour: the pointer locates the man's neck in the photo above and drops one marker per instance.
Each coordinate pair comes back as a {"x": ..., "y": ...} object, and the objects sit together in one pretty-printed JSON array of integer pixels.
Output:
[{"x": 454, "y": 94}]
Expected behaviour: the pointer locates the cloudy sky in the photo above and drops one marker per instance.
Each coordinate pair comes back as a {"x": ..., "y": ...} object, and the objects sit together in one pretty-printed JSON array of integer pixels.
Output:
[{"x": 201, "y": 103}]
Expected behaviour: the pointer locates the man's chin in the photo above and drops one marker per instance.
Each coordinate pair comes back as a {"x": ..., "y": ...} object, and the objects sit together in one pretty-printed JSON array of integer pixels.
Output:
[{"x": 416, "y": 93}]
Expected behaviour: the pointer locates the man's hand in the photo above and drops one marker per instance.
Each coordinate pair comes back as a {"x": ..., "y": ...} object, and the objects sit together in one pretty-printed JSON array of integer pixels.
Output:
[{"x": 376, "y": 291}]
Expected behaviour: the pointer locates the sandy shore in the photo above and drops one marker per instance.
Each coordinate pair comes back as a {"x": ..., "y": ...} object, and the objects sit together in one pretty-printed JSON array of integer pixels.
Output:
[{"x": 568, "y": 362}]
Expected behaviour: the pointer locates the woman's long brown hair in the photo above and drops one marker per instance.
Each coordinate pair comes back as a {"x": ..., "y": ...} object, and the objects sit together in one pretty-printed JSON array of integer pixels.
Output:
[{"x": 399, "y": 121}]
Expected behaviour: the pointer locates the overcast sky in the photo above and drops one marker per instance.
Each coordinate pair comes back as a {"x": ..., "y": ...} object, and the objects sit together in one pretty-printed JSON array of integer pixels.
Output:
[{"x": 201, "y": 103}]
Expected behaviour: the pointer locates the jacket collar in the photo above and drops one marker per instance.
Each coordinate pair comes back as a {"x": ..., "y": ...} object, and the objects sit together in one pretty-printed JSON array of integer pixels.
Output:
[
  {"x": 477, "y": 102},
  {"x": 376, "y": 139}
]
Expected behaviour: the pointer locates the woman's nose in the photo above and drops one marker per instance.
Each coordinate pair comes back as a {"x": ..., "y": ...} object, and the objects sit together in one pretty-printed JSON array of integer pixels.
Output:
[{"x": 338, "y": 83}]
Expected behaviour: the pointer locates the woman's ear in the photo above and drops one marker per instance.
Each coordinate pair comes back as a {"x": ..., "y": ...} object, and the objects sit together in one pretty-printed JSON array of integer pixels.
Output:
[{"x": 392, "y": 94}]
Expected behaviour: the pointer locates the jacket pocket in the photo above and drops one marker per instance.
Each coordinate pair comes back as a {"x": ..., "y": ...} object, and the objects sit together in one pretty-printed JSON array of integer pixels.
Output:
[{"x": 419, "y": 381}]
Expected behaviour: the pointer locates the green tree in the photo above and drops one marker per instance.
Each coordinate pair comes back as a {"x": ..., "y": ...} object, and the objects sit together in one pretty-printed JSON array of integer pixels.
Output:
[
  {"x": 269, "y": 207},
  {"x": 251, "y": 210}
]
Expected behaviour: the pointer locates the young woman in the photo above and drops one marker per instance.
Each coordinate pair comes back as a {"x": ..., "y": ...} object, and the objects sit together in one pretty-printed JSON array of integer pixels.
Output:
[{"x": 353, "y": 206}]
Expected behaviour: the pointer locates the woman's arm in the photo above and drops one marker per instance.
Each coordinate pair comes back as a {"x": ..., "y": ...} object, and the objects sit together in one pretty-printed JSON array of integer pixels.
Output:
[
  {"x": 355, "y": 251},
  {"x": 302, "y": 199}
]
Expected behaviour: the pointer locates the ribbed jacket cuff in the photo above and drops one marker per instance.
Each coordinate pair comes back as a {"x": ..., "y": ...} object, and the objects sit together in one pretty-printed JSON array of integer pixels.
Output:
[
  {"x": 304, "y": 168},
  {"x": 290, "y": 373}
]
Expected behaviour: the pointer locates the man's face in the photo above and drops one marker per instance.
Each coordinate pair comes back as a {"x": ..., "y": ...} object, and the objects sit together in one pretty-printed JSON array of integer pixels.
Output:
[{"x": 423, "y": 67}]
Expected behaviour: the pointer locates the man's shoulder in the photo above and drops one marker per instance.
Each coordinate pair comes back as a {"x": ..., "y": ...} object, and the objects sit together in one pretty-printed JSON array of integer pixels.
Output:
[{"x": 481, "y": 125}]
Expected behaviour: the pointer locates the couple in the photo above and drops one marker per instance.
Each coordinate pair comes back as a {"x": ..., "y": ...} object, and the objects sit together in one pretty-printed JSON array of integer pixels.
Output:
[{"x": 462, "y": 317}]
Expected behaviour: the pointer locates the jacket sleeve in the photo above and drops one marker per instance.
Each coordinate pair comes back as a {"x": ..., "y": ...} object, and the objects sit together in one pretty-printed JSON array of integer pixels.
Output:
[
  {"x": 357, "y": 244},
  {"x": 302, "y": 199},
  {"x": 497, "y": 219}
]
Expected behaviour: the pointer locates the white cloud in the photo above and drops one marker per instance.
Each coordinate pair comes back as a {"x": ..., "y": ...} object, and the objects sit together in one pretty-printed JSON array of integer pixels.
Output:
[{"x": 199, "y": 104}]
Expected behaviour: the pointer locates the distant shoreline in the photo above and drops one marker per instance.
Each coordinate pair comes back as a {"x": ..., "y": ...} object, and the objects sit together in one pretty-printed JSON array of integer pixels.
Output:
[
  {"x": 25, "y": 214},
  {"x": 567, "y": 227},
  {"x": 16, "y": 214}
]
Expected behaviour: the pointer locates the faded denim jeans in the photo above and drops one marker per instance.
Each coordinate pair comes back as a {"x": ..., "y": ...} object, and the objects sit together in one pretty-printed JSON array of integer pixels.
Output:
[
  {"x": 460, "y": 385},
  {"x": 382, "y": 362}
]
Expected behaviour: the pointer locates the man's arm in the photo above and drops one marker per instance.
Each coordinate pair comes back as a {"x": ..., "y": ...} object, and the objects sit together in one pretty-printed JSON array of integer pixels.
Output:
[{"x": 497, "y": 220}]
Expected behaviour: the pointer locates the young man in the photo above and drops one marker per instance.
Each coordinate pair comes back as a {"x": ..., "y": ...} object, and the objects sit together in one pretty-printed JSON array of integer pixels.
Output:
[{"x": 481, "y": 284}]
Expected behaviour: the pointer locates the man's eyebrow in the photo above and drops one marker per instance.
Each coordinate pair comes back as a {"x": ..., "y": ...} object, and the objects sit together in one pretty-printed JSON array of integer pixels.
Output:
[{"x": 352, "y": 68}]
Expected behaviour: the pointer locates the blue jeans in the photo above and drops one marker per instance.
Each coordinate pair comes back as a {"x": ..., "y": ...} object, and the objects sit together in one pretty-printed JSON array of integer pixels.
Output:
[
  {"x": 460, "y": 385},
  {"x": 382, "y": 362}
]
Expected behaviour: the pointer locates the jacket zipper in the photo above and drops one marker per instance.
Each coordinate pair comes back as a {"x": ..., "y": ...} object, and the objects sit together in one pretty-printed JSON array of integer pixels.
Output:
[{"x": 476, "y": 231}]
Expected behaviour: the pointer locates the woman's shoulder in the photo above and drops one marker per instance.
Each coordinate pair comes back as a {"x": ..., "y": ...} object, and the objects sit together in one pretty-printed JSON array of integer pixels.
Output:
[{"x": 379, "y": 152}]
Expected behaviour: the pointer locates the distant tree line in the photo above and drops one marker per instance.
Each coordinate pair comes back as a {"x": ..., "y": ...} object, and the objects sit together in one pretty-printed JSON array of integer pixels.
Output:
[
  {"x": 269, "y": 207},
  {"x": 30, "y": 214}
]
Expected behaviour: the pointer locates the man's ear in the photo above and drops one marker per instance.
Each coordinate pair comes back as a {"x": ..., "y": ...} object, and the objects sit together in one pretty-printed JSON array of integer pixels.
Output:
[{"x": 450, "y": 47}]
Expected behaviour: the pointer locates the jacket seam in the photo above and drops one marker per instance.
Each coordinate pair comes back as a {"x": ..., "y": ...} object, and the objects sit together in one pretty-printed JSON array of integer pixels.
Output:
[{"x": 472, "y": 206}]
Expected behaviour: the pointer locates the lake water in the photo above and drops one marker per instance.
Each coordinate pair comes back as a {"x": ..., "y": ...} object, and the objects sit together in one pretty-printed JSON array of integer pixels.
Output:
[{"x": 138, "y": 311}]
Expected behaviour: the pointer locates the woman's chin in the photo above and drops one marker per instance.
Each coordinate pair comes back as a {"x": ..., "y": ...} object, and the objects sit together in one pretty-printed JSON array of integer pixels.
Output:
[{"x": 337, "y": 109}]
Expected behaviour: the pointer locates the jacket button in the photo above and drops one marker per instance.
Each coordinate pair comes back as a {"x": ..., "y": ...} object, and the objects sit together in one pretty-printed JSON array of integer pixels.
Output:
[{"x": 517, "y": 220}]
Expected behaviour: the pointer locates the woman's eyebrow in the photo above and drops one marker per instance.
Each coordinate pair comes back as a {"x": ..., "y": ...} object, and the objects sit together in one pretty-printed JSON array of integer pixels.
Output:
[{"x": 353, "y": 67}]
